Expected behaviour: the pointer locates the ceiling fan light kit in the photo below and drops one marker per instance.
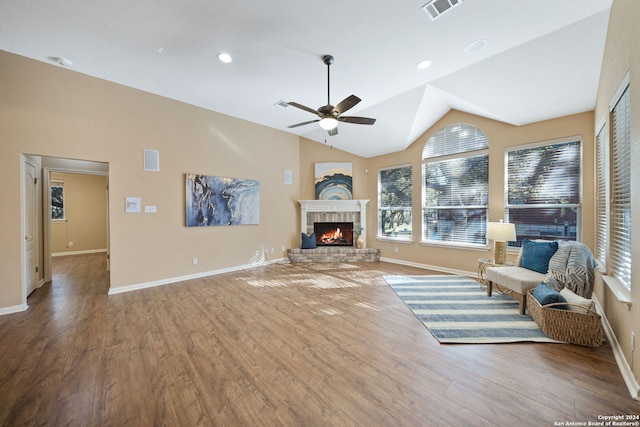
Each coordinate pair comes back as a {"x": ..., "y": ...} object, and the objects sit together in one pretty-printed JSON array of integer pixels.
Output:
[
  {"x": 328, "y": 123},
  {"x": 330, "y": 115}
]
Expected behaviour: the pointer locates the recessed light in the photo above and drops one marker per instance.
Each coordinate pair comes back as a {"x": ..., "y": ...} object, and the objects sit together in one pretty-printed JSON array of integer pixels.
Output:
[
  {"x": 224, "y": 57},
  {"x": 423, "y": 65},
  {"x": 475, "y": 46}
]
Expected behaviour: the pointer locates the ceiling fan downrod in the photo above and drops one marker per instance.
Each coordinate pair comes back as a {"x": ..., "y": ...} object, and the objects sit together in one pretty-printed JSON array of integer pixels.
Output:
[{"x": 328, "y": 59}]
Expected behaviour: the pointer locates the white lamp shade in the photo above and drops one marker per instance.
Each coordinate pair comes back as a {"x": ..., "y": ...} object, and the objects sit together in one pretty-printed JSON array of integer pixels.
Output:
[
  {"x": 501, "y": 231},
  {"x": 328, "y": 123}
]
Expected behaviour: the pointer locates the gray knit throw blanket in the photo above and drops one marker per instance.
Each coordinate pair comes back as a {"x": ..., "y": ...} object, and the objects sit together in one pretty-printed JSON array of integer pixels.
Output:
[{"x": 572, "y": 267}]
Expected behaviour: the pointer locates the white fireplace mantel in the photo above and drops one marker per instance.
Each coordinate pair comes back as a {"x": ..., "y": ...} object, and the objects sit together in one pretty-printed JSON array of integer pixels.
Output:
[{"x": 358, "y": 205}]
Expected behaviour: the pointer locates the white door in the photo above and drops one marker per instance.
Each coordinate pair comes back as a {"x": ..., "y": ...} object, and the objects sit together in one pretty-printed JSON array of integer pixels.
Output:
[{"x": 30, "y": 228}]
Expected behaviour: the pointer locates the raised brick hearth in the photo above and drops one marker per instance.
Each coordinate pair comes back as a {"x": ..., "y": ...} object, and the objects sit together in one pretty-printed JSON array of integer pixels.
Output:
[{"x": 334, "y": 254}]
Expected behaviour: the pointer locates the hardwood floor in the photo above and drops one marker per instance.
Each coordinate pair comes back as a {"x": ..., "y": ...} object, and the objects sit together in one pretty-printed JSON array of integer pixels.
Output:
[{"x": 286, "y": 344}]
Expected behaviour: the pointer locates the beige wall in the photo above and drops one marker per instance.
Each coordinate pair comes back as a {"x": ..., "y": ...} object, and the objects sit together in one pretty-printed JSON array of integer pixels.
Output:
[
  {"x": 85, "y": 205},
  {"x": 500, "y": 136},
  {"x": 49, "y": 111},
  {"x": 622, "y": 54}
]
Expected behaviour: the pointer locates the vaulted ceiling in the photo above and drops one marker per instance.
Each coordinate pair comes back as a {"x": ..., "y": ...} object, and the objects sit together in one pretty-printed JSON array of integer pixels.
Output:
[{"x": 541, "y": 59}]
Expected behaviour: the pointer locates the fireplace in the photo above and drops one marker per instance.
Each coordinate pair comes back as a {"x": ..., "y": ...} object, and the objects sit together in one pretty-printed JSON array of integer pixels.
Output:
[{"x": 333, "y": 233}]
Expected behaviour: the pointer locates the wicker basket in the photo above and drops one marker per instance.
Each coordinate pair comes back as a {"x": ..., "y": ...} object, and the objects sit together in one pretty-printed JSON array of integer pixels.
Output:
[{"x": 565, "y": 325}]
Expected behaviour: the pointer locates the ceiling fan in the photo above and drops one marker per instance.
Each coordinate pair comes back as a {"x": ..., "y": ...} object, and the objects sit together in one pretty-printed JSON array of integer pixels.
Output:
[{"x": 330, "y": 115}]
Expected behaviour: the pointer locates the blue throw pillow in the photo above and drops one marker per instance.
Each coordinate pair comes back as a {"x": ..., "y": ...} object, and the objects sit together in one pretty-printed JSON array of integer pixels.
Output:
[
  {"x": 545, "y": 294},
  {"x": 308, "y": 242},
  {"x": 536, "y": 255}
]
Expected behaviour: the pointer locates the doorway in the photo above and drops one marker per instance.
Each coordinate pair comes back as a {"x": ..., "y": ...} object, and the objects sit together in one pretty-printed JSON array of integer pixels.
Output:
[{"x": 49, "y": 166}]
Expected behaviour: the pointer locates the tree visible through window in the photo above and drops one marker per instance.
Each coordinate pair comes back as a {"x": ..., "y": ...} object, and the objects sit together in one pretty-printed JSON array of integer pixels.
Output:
[
  {"x": 57, "y": 200},
  {"x": 394, "y": 203},
  {"x": 543, "y": 191},
  {"x": 456, "y": 185}
]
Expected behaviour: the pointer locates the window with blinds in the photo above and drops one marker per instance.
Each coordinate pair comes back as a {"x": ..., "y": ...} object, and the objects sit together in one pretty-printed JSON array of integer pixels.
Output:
[
  {"x": 455, "y": 186},
  {"x": 602, "y": 190},
  {"x": 620, "y": 207},
  {"x": 395, "y": 200},
  {"x": 543, "y": 191}
]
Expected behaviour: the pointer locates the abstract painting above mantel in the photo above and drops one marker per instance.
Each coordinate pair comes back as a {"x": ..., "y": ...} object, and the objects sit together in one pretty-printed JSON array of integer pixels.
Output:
[
  {"x": 215, "y": 200},
  {"x": 334, "y": 181}
]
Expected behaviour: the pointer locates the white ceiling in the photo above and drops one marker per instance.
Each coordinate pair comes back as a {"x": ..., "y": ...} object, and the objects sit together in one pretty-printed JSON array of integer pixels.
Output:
[{"x": 542, "y": 58}]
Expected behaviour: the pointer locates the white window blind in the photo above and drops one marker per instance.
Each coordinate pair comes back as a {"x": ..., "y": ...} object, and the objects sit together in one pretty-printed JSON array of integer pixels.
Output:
[
  {"x": 602, "y": 184},
  {"x": 620, "y": 234},
  {"x": 456, "y": 186},
  {"x": 455, "y": 139},
  {"x": 543, "y": 191}
]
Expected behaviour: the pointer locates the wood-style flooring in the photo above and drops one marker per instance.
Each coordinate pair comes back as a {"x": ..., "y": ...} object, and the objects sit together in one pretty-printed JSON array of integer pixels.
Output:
[{"x": 278, "y": 345}]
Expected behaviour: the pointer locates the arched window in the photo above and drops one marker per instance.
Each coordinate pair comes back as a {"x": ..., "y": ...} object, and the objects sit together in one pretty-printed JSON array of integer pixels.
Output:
[{"x": 455, "y": 175}]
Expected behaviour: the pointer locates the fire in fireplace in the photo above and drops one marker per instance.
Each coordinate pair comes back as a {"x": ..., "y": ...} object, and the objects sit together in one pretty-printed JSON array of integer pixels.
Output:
[{"x": 333, "y": 233}]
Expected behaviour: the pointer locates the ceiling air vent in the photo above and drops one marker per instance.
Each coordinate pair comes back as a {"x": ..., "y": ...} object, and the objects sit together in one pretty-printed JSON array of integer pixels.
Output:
[{"x": 435, "y": 8}]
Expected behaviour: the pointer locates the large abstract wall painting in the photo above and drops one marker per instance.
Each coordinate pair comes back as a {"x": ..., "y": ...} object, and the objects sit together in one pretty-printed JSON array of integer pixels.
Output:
[
  {"x": 334, "y": 181},
  {"x": 215, "y": 200}
]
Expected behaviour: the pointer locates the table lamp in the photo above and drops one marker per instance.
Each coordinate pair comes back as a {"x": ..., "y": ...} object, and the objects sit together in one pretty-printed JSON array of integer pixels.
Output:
[{"x": 500, "y": 233}]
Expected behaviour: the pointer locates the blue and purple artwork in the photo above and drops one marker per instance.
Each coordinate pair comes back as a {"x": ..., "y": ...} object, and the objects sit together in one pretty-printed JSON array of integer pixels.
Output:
[
  {"x": 334, "y": 181},
  {"x": 215, "y": 200}
]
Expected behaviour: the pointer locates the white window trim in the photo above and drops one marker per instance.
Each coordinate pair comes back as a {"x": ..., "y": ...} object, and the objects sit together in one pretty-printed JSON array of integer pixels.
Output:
[
  {"x": 622, "y": 294},
  {"x": 58, "y": 183},
  {"x": 399, "y": 239},
  {"x": 580, "y": 206}
]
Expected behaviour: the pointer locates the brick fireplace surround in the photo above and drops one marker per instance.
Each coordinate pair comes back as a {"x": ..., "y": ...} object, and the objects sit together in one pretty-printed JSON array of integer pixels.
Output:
[{"x": 333, "y": 211}]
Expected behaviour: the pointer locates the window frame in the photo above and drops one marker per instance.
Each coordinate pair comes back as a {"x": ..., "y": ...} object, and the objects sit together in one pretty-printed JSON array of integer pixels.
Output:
[
  {"x": 577, "y": 206},
  {"x": 448, "y": 150},
  {"x": 57, "y": 184},
  {"x": 380, "y": 233},
  {"x": 613, "y": 273},
  {"x": 602, "y": 183}
]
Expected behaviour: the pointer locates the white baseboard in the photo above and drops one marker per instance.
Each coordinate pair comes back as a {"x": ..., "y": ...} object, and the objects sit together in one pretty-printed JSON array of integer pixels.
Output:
[
  {"x": 429, "y": 267},
  {"x": 90, "y": 251},
  {"x": 13, "y": 309},
  {"x": 145, "y": 285},
  {"x": 623, "y": 366}
]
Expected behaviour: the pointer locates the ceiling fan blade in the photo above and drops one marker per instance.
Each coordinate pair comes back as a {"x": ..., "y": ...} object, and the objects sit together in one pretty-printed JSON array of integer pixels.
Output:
[
  {"x": 302, "y": 107},
  {"x": 357, "y": 120},
  {"x": 346, "y": 104},
  {"x": 304, "y": 123},
  {"x": 333, "y": 131}
]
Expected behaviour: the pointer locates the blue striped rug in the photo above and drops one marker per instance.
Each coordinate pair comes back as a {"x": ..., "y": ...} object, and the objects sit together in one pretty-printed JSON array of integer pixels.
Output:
[{"x": 456, "y": 309}]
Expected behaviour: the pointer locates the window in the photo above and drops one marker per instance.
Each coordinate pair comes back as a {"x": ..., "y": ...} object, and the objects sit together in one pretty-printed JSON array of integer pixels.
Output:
[
  {"x": 543, "y": 191},
  {"x": 394, "y": 203},
  {"x": 602, "y": 191},
  {"x": 57, "y": 200},
  {"x": 619, "y": 261},
  {"x": 455, "y": 186}
]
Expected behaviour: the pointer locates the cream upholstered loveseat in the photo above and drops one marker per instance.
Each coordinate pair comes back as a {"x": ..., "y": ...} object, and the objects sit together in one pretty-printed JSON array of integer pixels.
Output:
[{"x": 560, "y": 264}]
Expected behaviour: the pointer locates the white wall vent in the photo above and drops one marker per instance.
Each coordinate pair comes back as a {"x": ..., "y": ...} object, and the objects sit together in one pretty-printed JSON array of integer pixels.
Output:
[{"x": 435, "y": 8}]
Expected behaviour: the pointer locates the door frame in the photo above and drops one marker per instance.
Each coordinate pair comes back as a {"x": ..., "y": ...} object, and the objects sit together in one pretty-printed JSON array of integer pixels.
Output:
[
  {"x": 46, "y": 185},
  {"x": 25, "y": 159}
]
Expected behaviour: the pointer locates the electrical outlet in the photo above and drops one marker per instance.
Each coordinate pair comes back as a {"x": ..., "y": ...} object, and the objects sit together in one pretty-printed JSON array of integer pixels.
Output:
[
  {"x": 395, "y": 249},
  {"x": 273, "y": 250},
  {"x": 194, "y": 261},
  {"x": 70, "y": 244}
]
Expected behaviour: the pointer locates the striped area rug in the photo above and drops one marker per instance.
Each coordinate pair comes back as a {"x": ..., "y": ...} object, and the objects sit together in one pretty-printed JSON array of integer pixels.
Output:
[{"x": 456, "y": 309}]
